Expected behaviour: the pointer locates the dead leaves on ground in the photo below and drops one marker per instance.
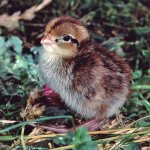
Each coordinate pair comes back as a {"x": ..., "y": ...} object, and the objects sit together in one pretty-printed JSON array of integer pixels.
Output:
[
  {"x": 11, "y": 22},
  {"x": 33, "y": 109}
]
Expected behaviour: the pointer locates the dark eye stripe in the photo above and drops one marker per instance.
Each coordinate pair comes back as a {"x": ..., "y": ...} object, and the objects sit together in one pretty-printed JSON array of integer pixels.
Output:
[{"x": 75, "y": 41}]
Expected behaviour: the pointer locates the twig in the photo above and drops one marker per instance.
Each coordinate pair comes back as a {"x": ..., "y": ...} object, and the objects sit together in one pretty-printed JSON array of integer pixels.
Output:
[
  {"x": 64, "y": 147},
  {"x": 145, "y": 139},
  {"x": 12, "y": 21},
  {"x": 33, "y": 24},
  {"x": 29, "y": 14},
  {"x": 102, "y": 141},
  {"x": 138, "y": 120},
  {"x": 109, "y": 131},
  {"x": 22, "y": 138},
  {"x": 8, "y": 121},
  {"x": 95, "y": 132},
  {"x": 38, "y": 120},
  {"x": 107, "y": 140}
]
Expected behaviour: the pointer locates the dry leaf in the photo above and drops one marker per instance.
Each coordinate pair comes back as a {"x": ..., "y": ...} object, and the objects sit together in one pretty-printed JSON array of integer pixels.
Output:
[
  {"x": 36, "y": 131},
  {"x": 50, "y": 146},
  {"x": 29, "y": 14},
  {"x": 33, "y": 109},
  {"x": 3, "y": 3},
  {"x": 34, "y": 95},
  {"x": 12, "y": 21}
]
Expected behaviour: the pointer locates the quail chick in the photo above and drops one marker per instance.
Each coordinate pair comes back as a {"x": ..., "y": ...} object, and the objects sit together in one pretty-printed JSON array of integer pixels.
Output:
[{"x": 91, "y": 80}]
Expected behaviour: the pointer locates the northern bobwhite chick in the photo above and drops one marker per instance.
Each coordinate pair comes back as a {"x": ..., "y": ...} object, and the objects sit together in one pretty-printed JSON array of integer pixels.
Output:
[{"x": 92, "y": 81}]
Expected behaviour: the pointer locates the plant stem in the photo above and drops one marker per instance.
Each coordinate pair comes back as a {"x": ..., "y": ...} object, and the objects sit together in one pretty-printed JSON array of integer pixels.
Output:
[
  {"x": 141, "y": 87},
  {"x": 64, "y": 147}
]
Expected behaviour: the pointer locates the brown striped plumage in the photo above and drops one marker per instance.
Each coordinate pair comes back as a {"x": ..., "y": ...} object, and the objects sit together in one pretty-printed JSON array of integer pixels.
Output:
[{"x": 92, "y": 81}]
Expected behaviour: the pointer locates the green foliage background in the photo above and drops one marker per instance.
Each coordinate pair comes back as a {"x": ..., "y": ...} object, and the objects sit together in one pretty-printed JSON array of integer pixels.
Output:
[{"x": 121, "y": 25}]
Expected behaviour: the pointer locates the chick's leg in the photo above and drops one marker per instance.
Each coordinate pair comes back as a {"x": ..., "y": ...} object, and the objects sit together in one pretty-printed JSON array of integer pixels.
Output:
[{"x": 91, "y": 125}]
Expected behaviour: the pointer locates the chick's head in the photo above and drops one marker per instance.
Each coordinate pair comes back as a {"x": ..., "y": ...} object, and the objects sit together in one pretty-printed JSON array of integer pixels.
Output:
[{"x": 63, "y": 36}]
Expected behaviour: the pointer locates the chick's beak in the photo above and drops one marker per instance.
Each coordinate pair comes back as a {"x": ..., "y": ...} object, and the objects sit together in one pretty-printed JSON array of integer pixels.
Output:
[{"x": 46, "y": 40}]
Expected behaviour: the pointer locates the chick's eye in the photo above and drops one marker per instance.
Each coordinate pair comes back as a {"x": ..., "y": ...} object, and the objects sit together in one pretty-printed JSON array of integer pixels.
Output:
[{"x": 67, "y": 38}]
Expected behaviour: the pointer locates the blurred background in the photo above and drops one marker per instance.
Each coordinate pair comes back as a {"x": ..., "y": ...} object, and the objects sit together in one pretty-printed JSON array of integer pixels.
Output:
[{"x": 122, "y": 26}]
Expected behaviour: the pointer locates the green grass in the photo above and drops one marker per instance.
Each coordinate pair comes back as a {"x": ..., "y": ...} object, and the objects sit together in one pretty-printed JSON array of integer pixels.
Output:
[{"x": 121, "y": 25}]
